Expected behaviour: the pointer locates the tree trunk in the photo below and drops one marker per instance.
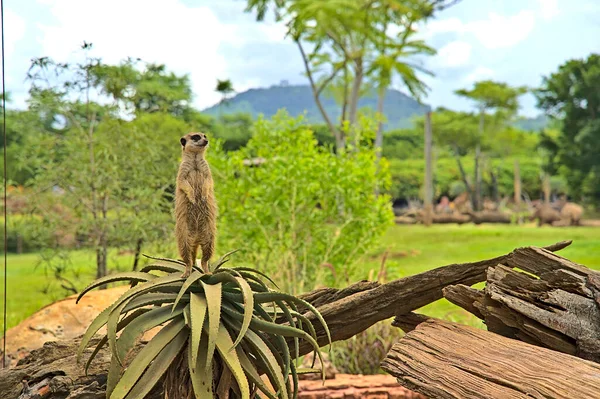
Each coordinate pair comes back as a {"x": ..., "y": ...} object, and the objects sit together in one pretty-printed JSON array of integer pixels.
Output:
[
  {"x": 102, "y": 250},
  {"x": 354, "y": 97},
  {"x": 138, "y": 251},
  {"x": 463, "y": 174},
  {"x": 445, "y": 360},
  {"x": 495, "y": 191},
  {"x": 19, "y": 244},
  {"x": 339, "y": 136},
  {"x": 517, "y": 185},
  {"x": 379, "y": 134},
  {"x": 476, "y": 201},
  {"x": 428, "y": 186},
  {"x": 546, "y": 188},
  {"x": 101, "y": 255}
]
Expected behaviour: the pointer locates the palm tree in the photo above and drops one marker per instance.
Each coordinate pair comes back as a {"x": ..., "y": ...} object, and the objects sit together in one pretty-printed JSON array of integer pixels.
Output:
[
  {"x": 392, "y": 60},
  {"x": 224, "y": 87}
]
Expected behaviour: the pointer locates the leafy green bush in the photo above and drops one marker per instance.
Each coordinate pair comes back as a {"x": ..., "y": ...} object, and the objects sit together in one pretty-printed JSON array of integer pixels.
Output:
[
  {"x": 305, "y": 215},
  {"x": 218, "y": 329},
  {"x": 28, "y": 234}
]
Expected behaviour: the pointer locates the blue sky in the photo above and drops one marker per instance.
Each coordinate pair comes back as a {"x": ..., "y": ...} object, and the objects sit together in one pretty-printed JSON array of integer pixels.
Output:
[{"x": 515, "y": 41}]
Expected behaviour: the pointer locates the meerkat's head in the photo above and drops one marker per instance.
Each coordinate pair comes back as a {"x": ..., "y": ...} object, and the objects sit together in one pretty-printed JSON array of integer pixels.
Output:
[{"x": 194, "y": 142}]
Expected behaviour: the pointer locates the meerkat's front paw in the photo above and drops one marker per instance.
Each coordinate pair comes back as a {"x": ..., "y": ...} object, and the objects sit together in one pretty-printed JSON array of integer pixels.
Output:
[{"x": 187, "y": 272}]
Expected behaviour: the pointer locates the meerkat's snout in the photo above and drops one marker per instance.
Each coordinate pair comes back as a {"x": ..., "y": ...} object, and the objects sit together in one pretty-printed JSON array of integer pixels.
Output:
[{"x": 200, "y": 140}]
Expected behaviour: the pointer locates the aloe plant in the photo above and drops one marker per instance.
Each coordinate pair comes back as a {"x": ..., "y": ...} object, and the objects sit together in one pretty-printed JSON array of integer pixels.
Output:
[{"x": 224, "y": 320}]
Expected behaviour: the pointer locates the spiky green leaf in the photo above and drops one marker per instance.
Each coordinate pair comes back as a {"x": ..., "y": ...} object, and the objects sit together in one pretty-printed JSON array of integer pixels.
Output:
[
  {"x": 158, "y": 367},
  {"x": 127, "y": 276},
  {"x": 198, "y": 306},
  {"x": 213, "y": 297},
  {"x": 143, "y": 323},
  {"x": 224, "y": 344},
  {"x": 148, "y": 353},
  {"x": 195, "y": 276},
  {"x": 201, "y": 372},
  {"x": 271, "y": 366},
  {"x": 252, "y": 374},
  {"x": 122, "y": 324}
]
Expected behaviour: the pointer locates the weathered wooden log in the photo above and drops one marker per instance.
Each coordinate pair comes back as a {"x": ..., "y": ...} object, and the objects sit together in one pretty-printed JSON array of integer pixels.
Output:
[
  {"x": 449, "y": 361},
  {"x": 355, "y": 313},
  {"x": 405, "y": 220},
  {"x": 554, "y": 305},
  {"x": 347, "y": 312},
  {"x": 490, "y": 217},
  {"x": 449, "y": 218}
]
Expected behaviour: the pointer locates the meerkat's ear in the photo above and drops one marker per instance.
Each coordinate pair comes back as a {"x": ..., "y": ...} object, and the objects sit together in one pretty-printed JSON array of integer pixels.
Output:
[{"x": 182, "y": 141}]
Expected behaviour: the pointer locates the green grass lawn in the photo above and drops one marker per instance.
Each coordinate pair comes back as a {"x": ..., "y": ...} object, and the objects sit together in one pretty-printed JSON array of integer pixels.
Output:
[
  {"x": 412, "y": 249},
  {"x": 31, "y": 286}
]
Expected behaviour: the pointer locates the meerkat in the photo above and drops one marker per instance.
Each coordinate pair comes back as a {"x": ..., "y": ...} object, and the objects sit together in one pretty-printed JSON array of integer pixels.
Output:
[{"x": 195, "y": 204}]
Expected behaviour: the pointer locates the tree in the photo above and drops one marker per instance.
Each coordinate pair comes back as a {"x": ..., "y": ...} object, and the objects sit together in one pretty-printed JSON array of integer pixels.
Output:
[
  {"x": 457, "y": 131},
  {"x": 571, "y": 95},
  {"x": 143, "y": 87},
  {"x": 503, "y": 101},
  {"x": 351, "y": 37},
  {"x": 391, "y": 60},
  {"x": 224, "y": 87},
  {"x": 109, "y": 173}
]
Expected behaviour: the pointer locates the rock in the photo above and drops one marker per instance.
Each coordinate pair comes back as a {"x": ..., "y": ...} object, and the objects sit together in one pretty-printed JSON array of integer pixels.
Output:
[{"x": 62, "y": 320}]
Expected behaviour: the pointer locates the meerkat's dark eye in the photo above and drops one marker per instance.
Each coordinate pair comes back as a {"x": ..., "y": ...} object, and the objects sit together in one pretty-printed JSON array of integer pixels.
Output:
[
  {"x": 182, "y": 141},
  {"x": 196, "y": 137}
]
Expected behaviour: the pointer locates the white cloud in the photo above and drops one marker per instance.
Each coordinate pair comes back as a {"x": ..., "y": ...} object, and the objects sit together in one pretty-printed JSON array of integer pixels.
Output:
[
  {"x": 549, "y": 9},
  {"x": 186, "y": 39},
  {"x": 497, "y": 31},
  {"x": 455, "y": 54},
  {"x": 13, "y": 32},
  {"x": 479, "y": 73}
]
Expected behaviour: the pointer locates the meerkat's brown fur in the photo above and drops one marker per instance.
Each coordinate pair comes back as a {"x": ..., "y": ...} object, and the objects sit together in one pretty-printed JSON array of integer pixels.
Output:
[{"x": 195, "y": 204}]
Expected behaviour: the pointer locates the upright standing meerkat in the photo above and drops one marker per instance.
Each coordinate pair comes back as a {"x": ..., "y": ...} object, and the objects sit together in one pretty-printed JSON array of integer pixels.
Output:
[{"x": 195, "y": 204}]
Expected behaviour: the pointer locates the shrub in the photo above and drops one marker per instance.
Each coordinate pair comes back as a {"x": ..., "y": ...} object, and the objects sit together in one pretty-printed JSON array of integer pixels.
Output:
[
  {"x": 304, "y": 211},
  {"x": 363, "y": 353}
]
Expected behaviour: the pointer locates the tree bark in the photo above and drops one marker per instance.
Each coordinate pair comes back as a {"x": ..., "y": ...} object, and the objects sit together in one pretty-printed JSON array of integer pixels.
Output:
[
  {"x": 517, "y": 184},
  {"x": 495, "y": 191},
  {"x": 463, "y": 174},
  {"x": 546, "y": 188},
  {"x": 138, "y": 252},
  {"x": 379, "y": 134},
  {"x": 339, "y": 137},
  {"x": 445, "y": 360},
  {"x": 490, "y": 217},
  {"x": 398, "y": 297},
  {"x": 556, "y": 308},
  {"x": 428, "y": 184},
  {"x": 354, "y": 97},
  {"x": 476, "y": 201}
]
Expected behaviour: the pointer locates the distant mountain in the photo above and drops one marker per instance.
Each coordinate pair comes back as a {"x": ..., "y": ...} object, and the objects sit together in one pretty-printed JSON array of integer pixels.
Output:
[
  {"x": 398, "y": 107},
  {"x": 533, "y": 124}
]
